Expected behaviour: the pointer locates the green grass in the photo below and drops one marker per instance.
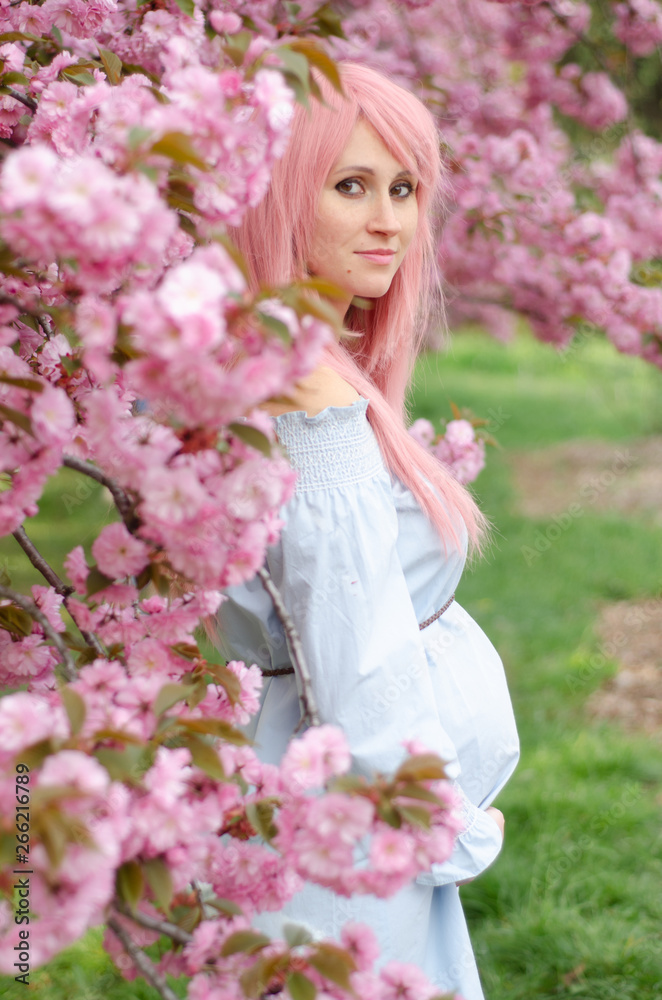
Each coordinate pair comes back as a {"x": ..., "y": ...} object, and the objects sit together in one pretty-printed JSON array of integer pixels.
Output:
[{"x": 573, "y": 907}]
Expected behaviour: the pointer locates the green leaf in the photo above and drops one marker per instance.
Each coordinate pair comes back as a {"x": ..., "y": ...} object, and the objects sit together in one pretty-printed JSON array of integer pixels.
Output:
[
  {"x": 53, "y": 836},
  {"x": 360, "y": 303},
  {"x": 187, "y": 650},
  {"x": 70, "y": 365},
  {"x": 387, "y": 811},
  {"x": 5, "y": 579},
  {"x": 321, "y": 285},
  {"x": 260, "y": 816},
  {"x": 158, "y": 94},
  {"x": 7, "y": 850},
  {"x": 96, "y": 581},
  {"x": 300, "y": 987},
  {"x": 169, "y": 695},
  {"x": 215, "y": 727},
  {"x": 18, "y": 36},
  {"x": 296, "y": 935},
  {"x": 276, "y": 326},
  {"x": 137, "y": 135},
  {"x": 159, "y": 878},
  {"x": 334, "y": 964},
  {"x": 35, "y": 755},
  {"x": 316, "y": 56},
  {"x": 186, "y": 6},
  {"x": 22, "y": 383},
  {"x": 423, "y": 767},
  {"x": 251, "y": 436},
  {"x": 227, "y": 906},
  {"x": 236, "y": 46},
  {"x": 78, "y": 75},
  {"x": 178, "y": 147},
  {"x": 129, "y": 883},
  {"x": 296, "y": 64},
  {"x": 229, "y": 681},
  {"x": 416, "y": 815},
  {"x": 255, "y": 980},
  {"x": 247, "y": 942},
  {"x": 412, "y": 791},
  {"x": 329, "y": 22},
  {"x": 112, "y": 65},
  {"x": 13, "y": 77},
  {"x": 16, "y": 417},
  {"x": 347, "y": 783},
  {"x": 15, "y": 620},
  {"x": 205, "y": 757},
  {"x": 188, "y": 225},
  {"x": 126, "y": 765},
  {"x": 75, "y": 708}
]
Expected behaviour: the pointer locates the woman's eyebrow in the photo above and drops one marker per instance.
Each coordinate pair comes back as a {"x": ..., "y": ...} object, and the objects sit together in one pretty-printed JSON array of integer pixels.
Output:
[{"x": 370, "y": 171}]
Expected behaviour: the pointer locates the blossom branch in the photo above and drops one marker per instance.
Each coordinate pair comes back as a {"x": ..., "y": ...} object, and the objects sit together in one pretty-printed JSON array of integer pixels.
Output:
[
  {"x": 122, "y": 501},
  {"x": 29, "y": 102},
  {"x": 306, "y": 696},
  {"x": 141, "y": 961},
  {"x": 46, "y": 324},
  {"x": 154, "y": 924},
  {"x": 40, "y": 563},
  {"x": 27, "y": 605},
  {"x": 49, "y": 574}
]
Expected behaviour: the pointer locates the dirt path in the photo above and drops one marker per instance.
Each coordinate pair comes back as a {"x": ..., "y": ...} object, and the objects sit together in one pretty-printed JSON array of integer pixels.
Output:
[{"x": 627, "y": 479}]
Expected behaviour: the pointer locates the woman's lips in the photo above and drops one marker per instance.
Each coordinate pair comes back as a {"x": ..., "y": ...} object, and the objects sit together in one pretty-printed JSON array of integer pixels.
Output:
[{"x": 377, "y": 256}]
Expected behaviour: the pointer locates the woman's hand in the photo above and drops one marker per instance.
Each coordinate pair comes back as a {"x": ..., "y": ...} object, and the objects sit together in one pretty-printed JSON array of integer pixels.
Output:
[
  {"x": 498, "y": 818},
  {"x": 500, "y": 821}
]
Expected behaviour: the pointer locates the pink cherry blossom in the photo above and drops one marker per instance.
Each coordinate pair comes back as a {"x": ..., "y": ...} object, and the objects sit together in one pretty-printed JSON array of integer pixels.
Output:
[
  {"x": 119, "y": 553},
  {"x": 77, "y": 569},
  {"x": 26, "y": 719}
]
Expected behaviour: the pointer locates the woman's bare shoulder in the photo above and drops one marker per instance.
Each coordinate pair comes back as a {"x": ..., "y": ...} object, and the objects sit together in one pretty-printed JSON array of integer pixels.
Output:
[{"x": 322, "y": 388}]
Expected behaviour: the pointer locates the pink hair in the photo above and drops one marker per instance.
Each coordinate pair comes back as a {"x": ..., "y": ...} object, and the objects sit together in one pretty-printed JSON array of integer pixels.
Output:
[{"x": 275, "y": 239}]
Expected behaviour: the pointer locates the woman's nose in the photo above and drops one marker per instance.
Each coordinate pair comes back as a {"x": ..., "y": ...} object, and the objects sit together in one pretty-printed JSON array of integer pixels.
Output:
[{"x": 383, "y": 218}]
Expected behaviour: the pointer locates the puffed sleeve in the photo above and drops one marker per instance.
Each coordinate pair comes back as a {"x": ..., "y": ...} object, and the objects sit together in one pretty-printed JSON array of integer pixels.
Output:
[{"x": 337, "y": 568}]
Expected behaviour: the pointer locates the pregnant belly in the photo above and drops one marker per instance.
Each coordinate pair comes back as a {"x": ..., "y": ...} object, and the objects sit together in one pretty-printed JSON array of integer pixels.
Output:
[{"x": 473, "y": 702}]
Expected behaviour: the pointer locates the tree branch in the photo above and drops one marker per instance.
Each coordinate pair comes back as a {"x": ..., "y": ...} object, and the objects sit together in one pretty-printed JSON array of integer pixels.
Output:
[
  {"x": 122, "y": 501},
  {"x": 51, "y": 577},
  {"x": 46, "y": 323},
  {"x": 34, "y": 612},
  {"x": 154, "y": 924},
  {"x": 40, "y": 563},
  {"x": 142, "y": 961},
  {"x": 306, "y": 697},
  {"x": 29, "y": 102}
]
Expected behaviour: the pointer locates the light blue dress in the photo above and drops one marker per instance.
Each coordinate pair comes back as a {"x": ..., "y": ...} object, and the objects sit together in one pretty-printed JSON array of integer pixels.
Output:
[{"x": 359, "y": 566}]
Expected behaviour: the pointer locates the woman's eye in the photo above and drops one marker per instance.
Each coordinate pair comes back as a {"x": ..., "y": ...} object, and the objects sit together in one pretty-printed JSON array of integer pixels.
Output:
[
  {"x": 349, "y": 187},
  {"x": 403, "y": 189}
]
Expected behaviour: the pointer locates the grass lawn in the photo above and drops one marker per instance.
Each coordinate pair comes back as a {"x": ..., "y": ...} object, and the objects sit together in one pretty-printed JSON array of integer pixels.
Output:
[{"x": 573, "y": 907}]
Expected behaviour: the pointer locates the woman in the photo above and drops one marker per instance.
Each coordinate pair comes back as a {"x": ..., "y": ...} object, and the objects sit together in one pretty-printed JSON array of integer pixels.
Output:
[{"x": 375, "y": 538}]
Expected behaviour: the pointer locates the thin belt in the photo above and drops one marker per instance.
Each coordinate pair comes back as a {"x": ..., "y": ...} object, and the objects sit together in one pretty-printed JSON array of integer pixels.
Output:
[{"x": 281, "y": 671}]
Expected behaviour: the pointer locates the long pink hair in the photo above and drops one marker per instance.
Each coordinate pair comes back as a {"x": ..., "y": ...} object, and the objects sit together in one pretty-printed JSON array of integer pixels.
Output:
[{"x": 275, "y": 239}]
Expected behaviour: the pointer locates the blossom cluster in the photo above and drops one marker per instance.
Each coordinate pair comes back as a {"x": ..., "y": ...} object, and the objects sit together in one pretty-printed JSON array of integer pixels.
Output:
[
  {"x": 518, "y": 240},
  {"x": 460, "y": 449},
  {"x": 119, "y": 803}
]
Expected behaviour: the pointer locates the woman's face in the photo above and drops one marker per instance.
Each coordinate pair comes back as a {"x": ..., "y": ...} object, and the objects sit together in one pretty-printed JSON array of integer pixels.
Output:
[{"x": 366, "y": 218}]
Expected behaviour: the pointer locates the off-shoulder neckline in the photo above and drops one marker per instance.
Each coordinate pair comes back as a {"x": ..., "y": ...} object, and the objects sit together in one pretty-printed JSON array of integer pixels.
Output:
[{"x": 300, "y": 416}]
